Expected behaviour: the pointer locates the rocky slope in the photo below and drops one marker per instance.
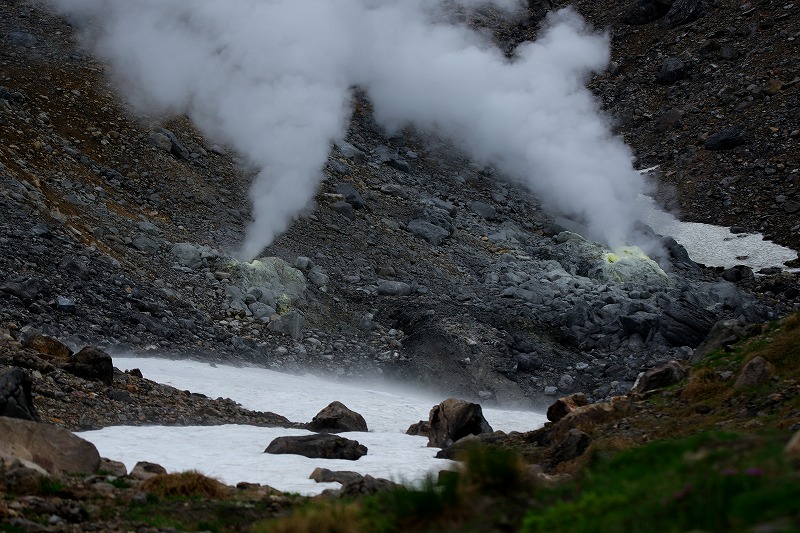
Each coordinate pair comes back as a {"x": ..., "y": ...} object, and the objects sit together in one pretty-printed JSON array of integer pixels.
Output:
[{"x": 415, "y": 263}]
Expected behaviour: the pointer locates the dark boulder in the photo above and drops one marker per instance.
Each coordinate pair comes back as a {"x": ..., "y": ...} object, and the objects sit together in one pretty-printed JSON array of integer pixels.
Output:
[
  {"x": 318, "y": 445},
  {"x": 92, "y": 364},
  {"x": 324, "y": 475},
  {"x": 685, "y": 322},
  {"x": 658, "y": 378},
  {"x": 738, "y": 273},
  {"x": 726, "y": 139},
  {"x": 16, "y": 400},
  {"x": 672, "y": 70},
  {"x": 454, "y": 419},
  {"x": 420, "y": 428},
  {"x": 335, "y": 418}
]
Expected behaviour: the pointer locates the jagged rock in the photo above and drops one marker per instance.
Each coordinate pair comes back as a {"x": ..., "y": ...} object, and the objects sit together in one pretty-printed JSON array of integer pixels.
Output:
[
  {"x": 421, "y": 428},
  {"x": 658, "y": 378},
  {"x": 319, "y": 445},
  {"x": 724, "y": 333},
  {"x": 16, "y": 400},
  {"x": 757, "y": 371},
  {"x": 563, "y": 406},
  {"x": 453, "y": 419},
  {"x": 685, "y": 322},
  {"x": 53, "y": 448},
  {"x": 166, "y": 140},
  {"x": 93, "y": 364},
  {"x": 114, "y": 468},
  {"x": 351, "y": 194},
  {"x": 145, "y": 470},
  {"x": 335, "y": 418}
]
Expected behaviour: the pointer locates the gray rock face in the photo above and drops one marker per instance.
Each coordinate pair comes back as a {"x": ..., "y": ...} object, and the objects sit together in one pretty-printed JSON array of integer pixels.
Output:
[
  {"x": 322, "y": 446},
  {"x": 187, "y": 255},
  {"x": 16, "y": 400},
  {"x": 53, "y": 448},
  {"x": 290, "y": 324},
  {"x": 430, "y": 232},
  {"x": 454, "y": 419},
  {"x": 335, "y": 418}
]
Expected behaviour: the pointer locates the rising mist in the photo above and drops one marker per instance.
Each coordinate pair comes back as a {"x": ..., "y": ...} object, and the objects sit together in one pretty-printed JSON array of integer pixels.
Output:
[{"x": 274, "y": 78}]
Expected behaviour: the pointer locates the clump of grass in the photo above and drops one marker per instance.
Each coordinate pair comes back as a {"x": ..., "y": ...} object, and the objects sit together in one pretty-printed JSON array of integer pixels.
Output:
[
  {"x": 703, "y": 383},
  {"x": 190, "y": 484},
  {"x": 49, "y": 486}
]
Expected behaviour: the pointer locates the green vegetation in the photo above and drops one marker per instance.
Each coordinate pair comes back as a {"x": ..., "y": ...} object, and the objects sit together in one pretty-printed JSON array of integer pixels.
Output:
[
  {"x": 49, "y": 486},
  {"x": 708, "y": 482}
]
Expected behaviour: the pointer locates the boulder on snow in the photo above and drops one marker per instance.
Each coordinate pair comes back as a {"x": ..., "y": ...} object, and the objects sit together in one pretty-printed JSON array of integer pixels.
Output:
[
  {"x": 318, "y": 445},
  {"x": 337, "y": 417},
  {"x": 454, "y": 419}
]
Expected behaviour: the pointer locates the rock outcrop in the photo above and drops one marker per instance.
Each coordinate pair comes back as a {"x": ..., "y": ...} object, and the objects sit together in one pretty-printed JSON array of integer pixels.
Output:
[
  {"x": 454, "y": 419},
  {"x": 336, "y": 418}
]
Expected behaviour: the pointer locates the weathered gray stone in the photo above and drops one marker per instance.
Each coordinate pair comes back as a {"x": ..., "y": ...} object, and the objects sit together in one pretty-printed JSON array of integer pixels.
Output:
[
  {"x": 53, "y": 448},
  {"x": 16, "y": 399},
  {"x": 393, "y": 288},
  {"x": 290, "y": 324},
  {"x": 658, "y": 378},
  {"x": 757, "y": 371},
  {"x": 430, "y": 232}
]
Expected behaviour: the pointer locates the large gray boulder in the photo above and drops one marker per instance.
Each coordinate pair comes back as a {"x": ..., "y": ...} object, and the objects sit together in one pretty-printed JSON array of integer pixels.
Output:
[
  {"x": 454, "y": 419},
  {"x": 318, "y": 445},
  {"x": 337, "y": 417},
  {"x": 53, "y": 448}
]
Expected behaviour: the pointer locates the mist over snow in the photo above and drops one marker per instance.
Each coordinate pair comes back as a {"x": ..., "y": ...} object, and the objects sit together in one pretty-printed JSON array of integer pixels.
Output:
[{"x": 274, "y": 78}]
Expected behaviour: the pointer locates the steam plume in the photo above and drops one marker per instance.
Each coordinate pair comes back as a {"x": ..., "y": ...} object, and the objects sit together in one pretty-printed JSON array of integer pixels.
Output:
[{"x": 273, "y": 78}]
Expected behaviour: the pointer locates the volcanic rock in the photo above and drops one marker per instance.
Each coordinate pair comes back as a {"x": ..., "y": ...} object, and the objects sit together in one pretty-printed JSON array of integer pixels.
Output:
[
  {"x": 336, "y": 418},
  {"x": 318, "y": 445},
  {"x": 91, "y": 363},
  {"x": 453, "y": 419},
  {"x": 563, "y": 406}
]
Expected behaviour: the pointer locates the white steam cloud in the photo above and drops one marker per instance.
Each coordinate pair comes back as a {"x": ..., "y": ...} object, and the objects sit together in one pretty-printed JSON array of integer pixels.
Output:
[{"x": 273, "y": 78}]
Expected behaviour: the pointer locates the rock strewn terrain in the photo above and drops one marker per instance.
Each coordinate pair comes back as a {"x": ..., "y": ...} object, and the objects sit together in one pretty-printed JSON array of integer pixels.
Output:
[{"x": 415, "y": 262}]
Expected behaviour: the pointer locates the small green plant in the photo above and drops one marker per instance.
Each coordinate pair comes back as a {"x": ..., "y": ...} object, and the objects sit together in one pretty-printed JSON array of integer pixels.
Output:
[{"x": 49, "y": 486}]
